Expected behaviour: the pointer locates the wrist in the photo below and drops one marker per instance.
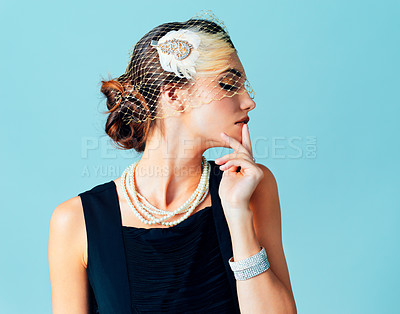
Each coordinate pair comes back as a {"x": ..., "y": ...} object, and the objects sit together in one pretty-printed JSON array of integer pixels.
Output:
[
  {"x": 237, "y": 213},
  {"x": 244, "y": 239},
  {"x": 235, "y": 205}
]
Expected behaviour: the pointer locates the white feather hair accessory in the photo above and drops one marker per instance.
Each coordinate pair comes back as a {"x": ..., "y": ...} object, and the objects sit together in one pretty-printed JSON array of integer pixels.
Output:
[{"x": 178, "y": 52}]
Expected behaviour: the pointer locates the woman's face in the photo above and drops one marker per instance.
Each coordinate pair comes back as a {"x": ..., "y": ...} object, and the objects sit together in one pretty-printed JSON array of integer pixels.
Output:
[{"x": 223, "y": 101}]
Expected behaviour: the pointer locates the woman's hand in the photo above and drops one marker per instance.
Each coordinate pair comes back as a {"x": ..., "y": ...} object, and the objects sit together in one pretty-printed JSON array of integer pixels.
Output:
[{"x": 236, "y": 188}]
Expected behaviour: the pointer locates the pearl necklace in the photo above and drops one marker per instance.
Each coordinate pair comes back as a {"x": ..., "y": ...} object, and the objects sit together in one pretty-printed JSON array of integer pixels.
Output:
[{"x": 142, "y": 208}]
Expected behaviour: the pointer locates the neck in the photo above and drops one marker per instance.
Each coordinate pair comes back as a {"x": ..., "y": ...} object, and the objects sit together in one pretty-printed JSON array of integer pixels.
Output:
[{"x": 169, "y": 170}]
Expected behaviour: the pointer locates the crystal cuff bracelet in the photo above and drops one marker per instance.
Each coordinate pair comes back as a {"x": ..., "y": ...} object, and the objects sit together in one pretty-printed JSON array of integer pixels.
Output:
[
  {"x": 248, "y": 262},
  {"x": 252, "y": 271},
  {"x": 250, "y": 267}
]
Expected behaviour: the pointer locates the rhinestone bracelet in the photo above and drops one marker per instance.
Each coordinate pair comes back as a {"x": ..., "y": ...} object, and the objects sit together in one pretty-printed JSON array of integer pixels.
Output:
[{"x": 251, "y": 266}]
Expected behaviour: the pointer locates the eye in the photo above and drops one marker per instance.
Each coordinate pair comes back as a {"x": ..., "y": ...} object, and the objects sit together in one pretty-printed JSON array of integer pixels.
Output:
[
  {"x": 228, "y": 83},
  {"x": 228, "y": 87}
]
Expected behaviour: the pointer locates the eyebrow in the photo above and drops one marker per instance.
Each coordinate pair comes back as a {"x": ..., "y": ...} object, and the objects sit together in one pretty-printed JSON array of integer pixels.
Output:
[{"x": 233, "y": 71}]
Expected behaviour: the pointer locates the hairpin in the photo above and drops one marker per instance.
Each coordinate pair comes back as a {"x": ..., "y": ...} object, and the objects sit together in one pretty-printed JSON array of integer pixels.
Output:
[{"x": 178, "y": 52}]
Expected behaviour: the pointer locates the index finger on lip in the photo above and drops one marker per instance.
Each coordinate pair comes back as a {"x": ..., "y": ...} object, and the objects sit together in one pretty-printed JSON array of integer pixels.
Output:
[{"x": 246, "y": 142}]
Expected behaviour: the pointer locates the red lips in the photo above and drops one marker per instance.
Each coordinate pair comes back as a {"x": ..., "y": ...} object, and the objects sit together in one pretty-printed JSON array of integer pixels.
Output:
[{"x": 244, "y": 120}]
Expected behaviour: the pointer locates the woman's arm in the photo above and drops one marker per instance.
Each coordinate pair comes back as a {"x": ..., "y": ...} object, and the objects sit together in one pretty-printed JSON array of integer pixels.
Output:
[
  {"x": 268, "y": 225},
  {"x": 271, "y": 291},
  {"x": 67, "y": 245}
]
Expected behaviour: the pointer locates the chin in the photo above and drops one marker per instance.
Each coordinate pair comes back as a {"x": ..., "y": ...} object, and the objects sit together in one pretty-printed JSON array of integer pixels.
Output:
[
  {"x": 236, "y": 134},
  {"x": 239, "y": 138}
]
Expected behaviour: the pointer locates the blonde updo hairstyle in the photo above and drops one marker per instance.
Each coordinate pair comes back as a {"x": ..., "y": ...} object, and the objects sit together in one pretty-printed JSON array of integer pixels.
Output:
[{"x": 215, "y": 46}]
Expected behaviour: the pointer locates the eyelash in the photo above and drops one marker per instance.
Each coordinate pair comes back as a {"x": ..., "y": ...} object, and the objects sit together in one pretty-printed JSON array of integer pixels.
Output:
[{"x": 228, "y": 87}]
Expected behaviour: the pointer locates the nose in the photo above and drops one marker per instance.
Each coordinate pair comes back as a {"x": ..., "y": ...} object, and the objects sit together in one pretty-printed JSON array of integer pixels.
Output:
[{"x": 247, "y": 102}]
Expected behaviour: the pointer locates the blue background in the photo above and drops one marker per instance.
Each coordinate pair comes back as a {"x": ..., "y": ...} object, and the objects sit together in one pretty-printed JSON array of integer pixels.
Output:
[{"x": 325, "y": 76}]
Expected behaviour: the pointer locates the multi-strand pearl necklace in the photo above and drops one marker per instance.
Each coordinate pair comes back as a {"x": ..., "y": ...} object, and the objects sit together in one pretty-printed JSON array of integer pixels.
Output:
[{"x": 143, "y": 209}]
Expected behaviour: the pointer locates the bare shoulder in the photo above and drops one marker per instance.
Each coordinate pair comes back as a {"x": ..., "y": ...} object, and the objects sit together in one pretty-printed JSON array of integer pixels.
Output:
[
  {"x": 266, "y": 207},
  {"x": 267, "y": 187},
  {"x": 67, "y": 223},
  {"x": 268, "y": 175},
  {"x": 68, "y": 277},
  {"x": 68, "y": 211}
]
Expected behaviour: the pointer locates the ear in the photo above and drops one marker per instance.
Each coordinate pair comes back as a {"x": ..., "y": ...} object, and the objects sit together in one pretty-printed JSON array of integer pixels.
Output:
[{"x": 173, "y": 96}]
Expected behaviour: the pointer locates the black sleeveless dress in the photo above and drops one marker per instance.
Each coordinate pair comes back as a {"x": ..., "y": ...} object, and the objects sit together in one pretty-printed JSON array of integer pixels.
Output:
[{"x": 179, "y": 269}]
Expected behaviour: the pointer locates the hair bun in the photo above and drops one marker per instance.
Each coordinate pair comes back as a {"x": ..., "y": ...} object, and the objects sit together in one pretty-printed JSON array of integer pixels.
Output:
[
  {"x": 113, "y": 90},
  {"x": 120, "y": 99}
]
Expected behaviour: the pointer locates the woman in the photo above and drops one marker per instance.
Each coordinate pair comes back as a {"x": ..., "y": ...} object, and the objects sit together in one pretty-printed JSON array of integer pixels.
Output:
[{"x": 175, "y": 233}]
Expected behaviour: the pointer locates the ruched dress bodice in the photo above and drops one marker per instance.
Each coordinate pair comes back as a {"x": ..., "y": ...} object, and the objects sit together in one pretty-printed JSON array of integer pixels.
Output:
[{"x": 177, "y": 269}]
